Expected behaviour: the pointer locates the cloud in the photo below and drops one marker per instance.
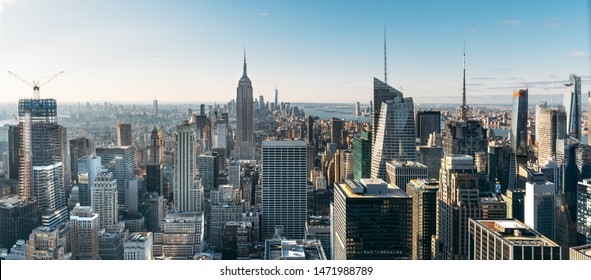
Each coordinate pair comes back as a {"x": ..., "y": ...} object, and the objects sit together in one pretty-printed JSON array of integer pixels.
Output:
[
  {"x": 264, "y": 14},
  {"x": 483, "y": 78},
  {"x": 502, "y": 69},
  {"x": 580, "y": 53},
  {"x": 511, "y": 22}
]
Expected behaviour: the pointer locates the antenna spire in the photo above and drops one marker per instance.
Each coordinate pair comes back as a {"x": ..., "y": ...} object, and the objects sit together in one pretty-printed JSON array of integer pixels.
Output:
[
  {"x": 385, "y": 59},
  {"x": 244, "y": 67},
  {"x": 464, "y": 106}
]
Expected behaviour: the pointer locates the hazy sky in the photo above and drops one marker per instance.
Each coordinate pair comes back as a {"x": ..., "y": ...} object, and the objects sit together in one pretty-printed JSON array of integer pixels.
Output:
[{"x": 314, "y": 51}]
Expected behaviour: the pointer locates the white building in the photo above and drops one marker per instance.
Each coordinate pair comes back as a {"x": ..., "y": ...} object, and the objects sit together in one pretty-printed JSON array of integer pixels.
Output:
[
  {"x": 138, "y": 246},
  {"x": 539, "y": 207},
  {"x": 104, "y": 199},
  {"x": 401, "y": 172},
  {"x": 84, "y": 233},
  {"x": 182, "y": 236},
  {"x": 284, "y": 168}
]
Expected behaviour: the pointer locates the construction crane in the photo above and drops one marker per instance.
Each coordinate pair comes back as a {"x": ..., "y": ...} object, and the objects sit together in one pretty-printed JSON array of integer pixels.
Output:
[{"x": 36, "y": 84}]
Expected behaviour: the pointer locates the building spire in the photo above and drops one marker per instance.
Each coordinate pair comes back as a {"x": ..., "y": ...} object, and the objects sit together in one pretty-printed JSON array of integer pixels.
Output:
[
  {"x": 244, "y": 67},
  {"x": 385, "y": 59},
  {"x": 464, "y": 106}
]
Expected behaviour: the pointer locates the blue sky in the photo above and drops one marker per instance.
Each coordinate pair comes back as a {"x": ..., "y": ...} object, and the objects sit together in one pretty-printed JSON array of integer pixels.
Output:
[{"x": 314, "y": 51}]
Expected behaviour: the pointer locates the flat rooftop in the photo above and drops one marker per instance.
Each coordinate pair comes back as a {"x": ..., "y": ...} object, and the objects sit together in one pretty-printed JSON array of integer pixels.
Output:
[
  {"x": 583, "y": 249},
  {"x": 516, "y": 232},
  {"x": 12, "y": 201},
  {"x": 363, "y": 190}
]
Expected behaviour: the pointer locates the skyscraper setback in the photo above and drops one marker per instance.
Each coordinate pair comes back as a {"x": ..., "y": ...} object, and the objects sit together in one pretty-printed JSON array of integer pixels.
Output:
[{"x": 244, "y": 117}]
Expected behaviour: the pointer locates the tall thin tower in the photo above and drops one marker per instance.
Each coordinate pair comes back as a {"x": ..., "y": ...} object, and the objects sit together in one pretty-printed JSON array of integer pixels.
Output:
[
  {"x": 385, "y": 59},
  {"x": 244, "y": 117},
  {"x": 464, "y": 107}
]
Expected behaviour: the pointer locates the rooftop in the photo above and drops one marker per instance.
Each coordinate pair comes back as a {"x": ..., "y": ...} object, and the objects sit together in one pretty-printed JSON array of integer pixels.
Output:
[
  {"x": 371, "y": 188},
  {"x": 399, "y": 164},
  {"x": 139, "y": 236},
  {"x": 515, "y": 232},
  {"x": 278, "y": 249},
  {"x": 12, "y": 201}
]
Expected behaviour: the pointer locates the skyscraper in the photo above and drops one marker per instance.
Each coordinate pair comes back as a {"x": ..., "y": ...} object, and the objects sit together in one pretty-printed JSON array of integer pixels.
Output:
[
  {"x": 18, "y": 217},
  {"x": 572, "y": 105},
  {"x": 583, "y": 213},
  {"x": 244, "y": 117},
  {"x": 381, "y": 92},
  {"x": 14, "y": 142},
  {"x": 509, "y": 239},
  {"x": 424, "y": 216},
  {"x": 79, "y": 147},
  {"x": 284, "y": 187},
  {"x": 119, "y": 161},
  {"x": 551, "y": 126},
  {"x": 395, "y": 136},
  {"x": 276, "y": 98},
  {"x": 539, "y": 207},
  {"x": 41, "y": 171},
  {"x": 124, "y": 136},
  {"x": 464, "y": 136},
  {"x": 88, "y": 168},
  {"x": 104, "y": 199},
  {"x": 45, "y": 244},
  {"x": 156, "y": 148},
  {"x": 84, "y": 233},
  {"x": 182, "y": 236},
  {"x": 155, "y": 107},
  {"x": 457, "y": 201},
  {"x": 359, "y": 207},
  {"x": 336, "y": 130},
  {"x": 185, "y": 165},
  {"x": 519, "y": 123},
  {"x": 362, "y": 155},
  {"x": 426, "y": 123}
]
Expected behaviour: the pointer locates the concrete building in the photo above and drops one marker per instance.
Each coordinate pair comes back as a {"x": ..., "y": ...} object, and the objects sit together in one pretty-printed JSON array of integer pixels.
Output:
[
  {"x": 182, "y": 236},
  {"x": 580, "y": 253},
  {"x": 320, "y": 228},
  {"x": 110, "y": 245},
  {"x": 426, "y": 123},
  {"x": 424, "y": 216},
  {"x": 493, "y": 208},
  {"x": 550, "y": 126},
  {"x": 104, "y": 199},
  {"x": 509, "y": 239},
  {"x": 185, "y": 164},
  {"x": 44, "y": 244},
  {"x": 283, "y": 249},
  {"x": 401, "y": 172},
  {"x": 118, "y": 161},
  {"x": 138, "y": 246},
  {"x": 84, "y": 233},
  {"x": 88, "y": 168},
  {"x": 361, "y": 205},
  {"x": 284, "y": 187},
  {"x": 458, "y": 200},
  {"x": 124, "y": 135}
]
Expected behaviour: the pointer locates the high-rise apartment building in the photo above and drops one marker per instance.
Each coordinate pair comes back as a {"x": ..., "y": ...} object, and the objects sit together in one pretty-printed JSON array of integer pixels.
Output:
[
  {"x": 361, "y": 205},
  {"x": 457, "y": 201},
  {"x": 509, "y": 239},
  {"x": 124, "y": 135},
  {"x": 104, "y": 199},
  {"x": 424, "y": 216},
  {"x": 244, "y": 143},
  {"x": 84, "y": 233},
  {"x": 156, "y": 148},
  {"x": 284, "y": 187}
]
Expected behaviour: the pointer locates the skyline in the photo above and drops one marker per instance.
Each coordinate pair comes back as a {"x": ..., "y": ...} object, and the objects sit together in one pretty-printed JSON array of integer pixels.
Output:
[{"x": 314, "y": 52}]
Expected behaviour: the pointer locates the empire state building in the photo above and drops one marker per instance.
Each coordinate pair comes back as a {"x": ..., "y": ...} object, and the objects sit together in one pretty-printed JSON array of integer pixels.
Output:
[{"x": 244, "y": 121}]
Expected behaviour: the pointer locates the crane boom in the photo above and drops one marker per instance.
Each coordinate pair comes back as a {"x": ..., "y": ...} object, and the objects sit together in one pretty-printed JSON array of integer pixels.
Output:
[{"x": 35, "y": 84}]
